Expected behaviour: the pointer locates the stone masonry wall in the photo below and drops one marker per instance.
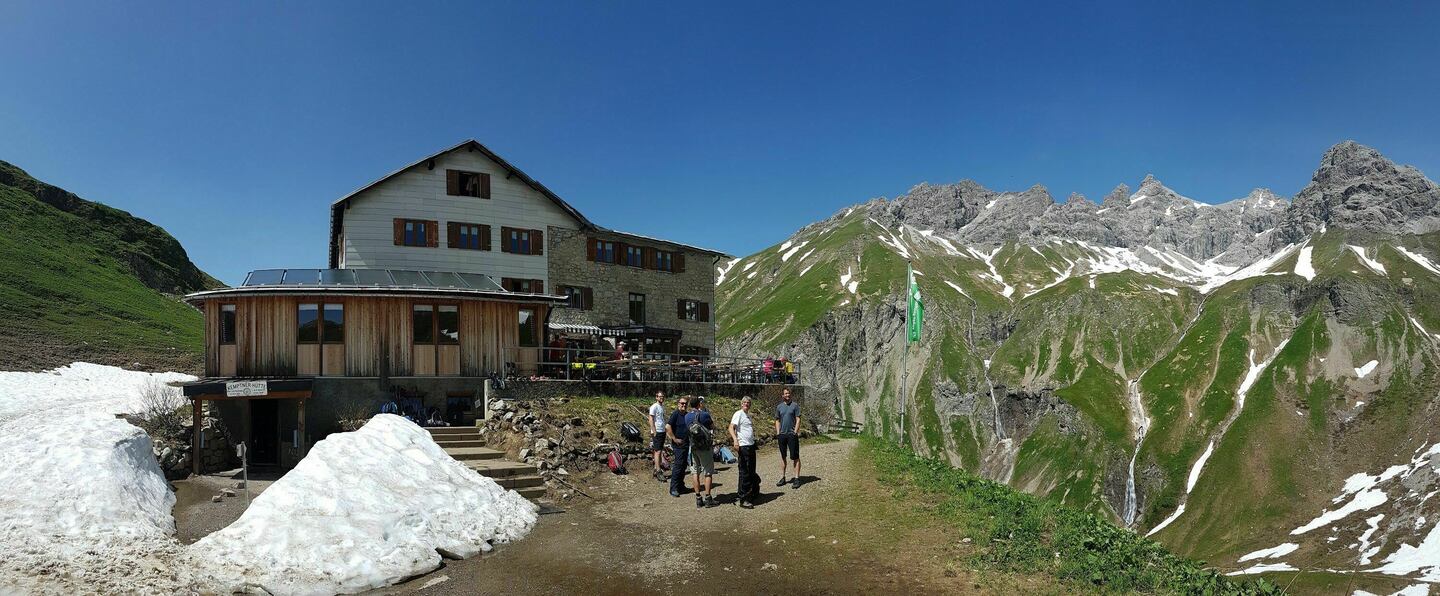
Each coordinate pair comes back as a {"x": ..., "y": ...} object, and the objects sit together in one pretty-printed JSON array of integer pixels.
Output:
[{"x": 612, "y": 284}]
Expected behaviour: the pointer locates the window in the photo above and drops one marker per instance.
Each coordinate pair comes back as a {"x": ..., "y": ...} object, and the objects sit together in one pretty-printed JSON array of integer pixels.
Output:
[
  {"x": 414, "y": 232},
  {"x": 634, "y": 256},
  {"x": 519, "y": 241},
  {"x": 447, "y": 323},
  {"x": 664, "y": 260},
  {"x": 692, "y": 310},
  {"x": 227, "y": 323},
  {"x": 423, "y": 321},
  {"x": 522, "y": 242},
  {"x": 309, "y": 319},
  {"x": 603, "y": 251},
  {"x": 315, "y": 328},
  {"x": 523, "y": 286},
  {"x": 333, "y": 331},
  {"x": 528, "y": 327},
  {"x": 637, "y": 309},
  {"x": 580, "y": 298},
  {"x": 460, "y": 183},
  {"x": 468, "y": 236}
]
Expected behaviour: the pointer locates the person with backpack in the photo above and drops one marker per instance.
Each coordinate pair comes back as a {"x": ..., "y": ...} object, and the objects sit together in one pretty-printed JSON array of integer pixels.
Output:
[
  {"x": 679, "y": 434},
  {"x": 702, "y": 457},
  {"x": 656, "y": 418},
  {"x": 742, "y": 434},
  {"x": 787, "y": 436}
]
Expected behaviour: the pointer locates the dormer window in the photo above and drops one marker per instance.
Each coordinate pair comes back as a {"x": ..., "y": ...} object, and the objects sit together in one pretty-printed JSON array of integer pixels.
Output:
[{"x": 460, "y": 183}]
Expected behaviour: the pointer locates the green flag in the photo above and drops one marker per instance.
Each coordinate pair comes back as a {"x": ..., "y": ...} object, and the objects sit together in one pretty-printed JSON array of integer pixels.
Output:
[{"x": 914, "y": 308}]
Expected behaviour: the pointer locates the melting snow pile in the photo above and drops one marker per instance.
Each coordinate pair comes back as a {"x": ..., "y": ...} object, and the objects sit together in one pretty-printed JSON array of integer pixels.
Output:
[
  {"x": 363, "y": 510},
  {"x": 84, "y": 506}
]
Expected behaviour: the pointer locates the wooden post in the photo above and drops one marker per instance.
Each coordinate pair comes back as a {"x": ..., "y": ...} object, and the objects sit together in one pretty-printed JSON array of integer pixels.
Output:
[
  {"x": 195, "y": 438},
  {"x": 300, "y": 446}
]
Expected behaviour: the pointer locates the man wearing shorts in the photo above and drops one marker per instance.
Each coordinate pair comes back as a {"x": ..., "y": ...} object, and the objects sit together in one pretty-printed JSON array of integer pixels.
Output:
[
  {"x": 787, "y": 426},
  {"x": 702, "y": 454},
  {"x": 656, "y": 417}
]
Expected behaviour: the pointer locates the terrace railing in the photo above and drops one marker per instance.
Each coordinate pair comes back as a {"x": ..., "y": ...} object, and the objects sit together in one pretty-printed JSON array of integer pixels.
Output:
[{"x": 573, "y": 364}]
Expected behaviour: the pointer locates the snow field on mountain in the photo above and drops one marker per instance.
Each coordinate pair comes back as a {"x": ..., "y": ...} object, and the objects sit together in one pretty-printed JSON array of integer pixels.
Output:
[
  {"x": 1420, "y": 259},
  {"x": 1370, "y": 263}
]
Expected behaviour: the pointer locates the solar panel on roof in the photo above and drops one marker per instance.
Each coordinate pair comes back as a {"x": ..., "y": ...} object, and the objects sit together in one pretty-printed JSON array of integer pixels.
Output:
[
  {"x": 445, "y": 279},
  {"x": 301, "y": 277},
  {"x": 373, "y": 277},
  {"x": 409, "y": 278},
  {"x": 337, "y": 277},
  {"x": 479, "y": 281},
  {"x": 264, "y": 277}
]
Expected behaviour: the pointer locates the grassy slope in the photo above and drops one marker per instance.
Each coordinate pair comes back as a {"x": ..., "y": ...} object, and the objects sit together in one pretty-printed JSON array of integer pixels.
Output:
[{"x": 66, "y": 296}]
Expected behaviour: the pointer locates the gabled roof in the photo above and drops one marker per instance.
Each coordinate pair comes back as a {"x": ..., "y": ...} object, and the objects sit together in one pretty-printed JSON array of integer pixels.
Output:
[{"x": 337, "y": 208}]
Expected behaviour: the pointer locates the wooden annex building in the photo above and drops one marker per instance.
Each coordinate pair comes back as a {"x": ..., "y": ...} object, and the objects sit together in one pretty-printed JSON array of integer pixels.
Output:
[{"x": 351, "y": 336}]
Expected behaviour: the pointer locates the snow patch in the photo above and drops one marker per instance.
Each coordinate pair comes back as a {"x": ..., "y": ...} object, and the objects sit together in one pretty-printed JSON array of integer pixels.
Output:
[
  {"x": 957, "y": 288},
  {"x": 1420, "y": 259},
  {"x": 794, "y": 249},
  {"x": 721, "y": 272},
  {"x": 1264, "y": 568},
  {"x": 1271, "y": 553},
  {"x": 1303, "y": 265},
  {"x": 846, "y": 281},
  {"x": 364, "y": 510},
  {"x": 1372, "y": 264},
  {"x": 1366, "y": 368}
]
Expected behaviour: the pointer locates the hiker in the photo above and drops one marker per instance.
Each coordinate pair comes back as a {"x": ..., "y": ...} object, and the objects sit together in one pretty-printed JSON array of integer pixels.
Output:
[
  {"x": 656, "y": 417},
  {"x": 742, "y": 434},
  {"x": 702, "y": 455},
  {"x": 787, "y": 438},
  {"x": 679, "y": 435}
]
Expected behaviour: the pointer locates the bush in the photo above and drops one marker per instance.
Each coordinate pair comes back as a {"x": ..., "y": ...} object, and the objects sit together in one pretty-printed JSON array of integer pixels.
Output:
[{"x": 164, "y": 412}]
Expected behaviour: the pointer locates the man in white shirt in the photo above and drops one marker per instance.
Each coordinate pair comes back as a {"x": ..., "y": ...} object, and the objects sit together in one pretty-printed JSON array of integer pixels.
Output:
[
  {"x": 656, "y": 417},
  {"x": 742, "y": 433}
]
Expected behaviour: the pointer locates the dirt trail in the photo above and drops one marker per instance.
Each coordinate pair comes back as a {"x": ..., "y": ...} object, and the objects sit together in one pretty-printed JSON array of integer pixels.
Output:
[{"x": 634, "y": 538}]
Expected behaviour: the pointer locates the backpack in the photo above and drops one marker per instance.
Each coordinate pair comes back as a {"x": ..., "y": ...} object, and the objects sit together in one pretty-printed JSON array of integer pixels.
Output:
[
  {"x": 725, "y": 455},
  {"x": 700, "y": 436},
  {"x": 629, "y": 431},
  {"x": 615, "y": 462}
]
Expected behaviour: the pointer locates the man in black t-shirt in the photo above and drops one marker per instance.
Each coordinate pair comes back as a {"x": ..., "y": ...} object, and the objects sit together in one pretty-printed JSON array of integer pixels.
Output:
[{"x": 679, "y": 434}]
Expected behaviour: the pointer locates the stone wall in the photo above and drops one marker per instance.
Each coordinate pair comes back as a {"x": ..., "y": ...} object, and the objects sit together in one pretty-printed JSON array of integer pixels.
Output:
[{"x": 611, "y": 285}]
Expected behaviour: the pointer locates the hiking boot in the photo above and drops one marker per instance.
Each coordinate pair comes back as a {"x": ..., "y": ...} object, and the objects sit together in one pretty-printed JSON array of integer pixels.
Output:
[
  {"x": 781, "y": 482},
  {"x": 709, "y": 501},
  {"x": 795, "y": 483},
  {"x": 673, "y": 493},
  {"x": 746, "y": 505},
  {"x": 699, "y": 502}
]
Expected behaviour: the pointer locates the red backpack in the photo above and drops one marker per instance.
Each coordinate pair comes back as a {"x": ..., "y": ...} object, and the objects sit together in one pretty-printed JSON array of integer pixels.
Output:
[{"x": 616, "y": 463}]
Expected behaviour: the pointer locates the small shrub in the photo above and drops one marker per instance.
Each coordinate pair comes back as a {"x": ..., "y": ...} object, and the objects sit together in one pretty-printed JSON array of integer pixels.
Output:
[{"x": 163, "y": 411}]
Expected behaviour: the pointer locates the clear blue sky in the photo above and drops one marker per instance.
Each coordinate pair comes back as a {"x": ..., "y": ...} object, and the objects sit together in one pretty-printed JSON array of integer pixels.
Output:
[{"x": 234, "y": 124}]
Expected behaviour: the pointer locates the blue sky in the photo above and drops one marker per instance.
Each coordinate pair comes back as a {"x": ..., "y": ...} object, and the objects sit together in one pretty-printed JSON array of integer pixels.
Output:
[{"x": 234, "y": 125}]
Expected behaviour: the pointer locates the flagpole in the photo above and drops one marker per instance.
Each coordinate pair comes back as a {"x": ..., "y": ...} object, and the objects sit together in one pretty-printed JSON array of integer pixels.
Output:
[{"x": 905, "y": 354}]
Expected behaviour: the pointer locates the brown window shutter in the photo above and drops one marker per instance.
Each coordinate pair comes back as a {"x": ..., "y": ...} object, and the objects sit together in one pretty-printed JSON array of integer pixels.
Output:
[
  {"x": 590, "y": 249},
  {"x": 680, "y": 309},
  {"x": 649, "y": 258},
  {"x": 704, "y": 312},
  {"x": 538, "y": 286},
  {"x": 504, "y": 239},
  {"x": 432, "y": 233},
  {"x": 507, "y": 284},
  {"x": 452, "y": 234},
  {"x": 537, "y": 242},
  {"x": 587, "y": 299},
  {"x": 484, "y": 237},
  {"x": 620, "y": 249},
  {"x": 484, "y": 186},
  {"x": 452, "y": 182},
  {"x": 399, "y": 231},
  {"x": 679, "y": 262}
]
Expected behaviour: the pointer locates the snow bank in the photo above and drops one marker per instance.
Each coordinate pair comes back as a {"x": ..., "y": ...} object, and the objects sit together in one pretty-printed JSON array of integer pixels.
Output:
[
  {"x": 1372, "y": 264},
  {"x": 1420, "y": 259},
  {"x": 1264, "y": 568},
  {"x": 1304, "y": 266},
  {"x": 1272, "y": 552},
  {"x": 68, "y": 389},
  {"x": 364, "y": 509},
  {"x": 1365, "y": 369}
]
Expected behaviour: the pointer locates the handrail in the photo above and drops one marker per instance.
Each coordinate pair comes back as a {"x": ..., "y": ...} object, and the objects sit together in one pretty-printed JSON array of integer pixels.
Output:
[{"x": 598, "y": 364}]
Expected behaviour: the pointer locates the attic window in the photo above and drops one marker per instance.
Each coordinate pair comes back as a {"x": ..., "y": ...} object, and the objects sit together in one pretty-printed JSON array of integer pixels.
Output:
[{"x": 460, "y": 183}]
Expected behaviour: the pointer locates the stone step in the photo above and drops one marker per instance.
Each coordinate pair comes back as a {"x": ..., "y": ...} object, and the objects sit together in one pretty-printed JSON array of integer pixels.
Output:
[
  {"x": 452, "y": 430},
  {"x": 499, "y": 468},
  {"x": 519, "y": 482},
  {"x": 449, "y": 443},
  {"x": 473, "y": 453},
  {"x": 531, "y": 492}
]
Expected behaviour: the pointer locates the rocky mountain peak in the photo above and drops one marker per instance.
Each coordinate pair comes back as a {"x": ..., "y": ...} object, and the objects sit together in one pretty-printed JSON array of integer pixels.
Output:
[
  {"x": 1117, "y": 197},
  {"x": 1077, "y": 198},
  {"x": 1357, "y": 188}
]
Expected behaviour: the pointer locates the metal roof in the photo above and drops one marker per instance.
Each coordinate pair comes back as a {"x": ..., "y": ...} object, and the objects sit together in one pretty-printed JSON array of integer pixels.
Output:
[{"x": 373, "y": 281}]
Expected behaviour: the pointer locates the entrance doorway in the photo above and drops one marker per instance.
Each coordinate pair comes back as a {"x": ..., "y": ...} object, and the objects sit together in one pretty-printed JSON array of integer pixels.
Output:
[{"x": 264, "y": 445}]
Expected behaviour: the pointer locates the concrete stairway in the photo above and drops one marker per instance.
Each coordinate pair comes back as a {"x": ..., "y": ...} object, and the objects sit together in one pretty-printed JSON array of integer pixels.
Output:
[{"x": 465, "y": 445}]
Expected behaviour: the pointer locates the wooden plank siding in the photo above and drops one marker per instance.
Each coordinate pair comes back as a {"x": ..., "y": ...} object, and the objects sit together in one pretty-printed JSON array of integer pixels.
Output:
[{"x": 378, "y": 339}]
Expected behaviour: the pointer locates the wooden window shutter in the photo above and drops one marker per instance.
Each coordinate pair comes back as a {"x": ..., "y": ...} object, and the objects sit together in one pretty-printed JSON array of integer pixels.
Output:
[
  {"x": 399, "y": 231},
  {"x": 537, "y": 242},
  {"x": 590, "y": 249},
  {"x": 678, "y": 264},
  {"x": 504, "y": 239},
  {"x": 538, "y": 286},
  {"x": 432, "y": 233},
  {"x": 508, "y": 284},
  {"x": 484, "y": 237},
  {"x": 620, "y": 253},
  {"x": 680, "y": 309},
  {"x": 587, "y": 299},
  {"x": 452, "y": 234},
  {"x": 452, "y": 182},
  {"x": 704, "y": 312},
  {"x": 648, "y": 258},
  {"x": 484, "y": 186}
]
